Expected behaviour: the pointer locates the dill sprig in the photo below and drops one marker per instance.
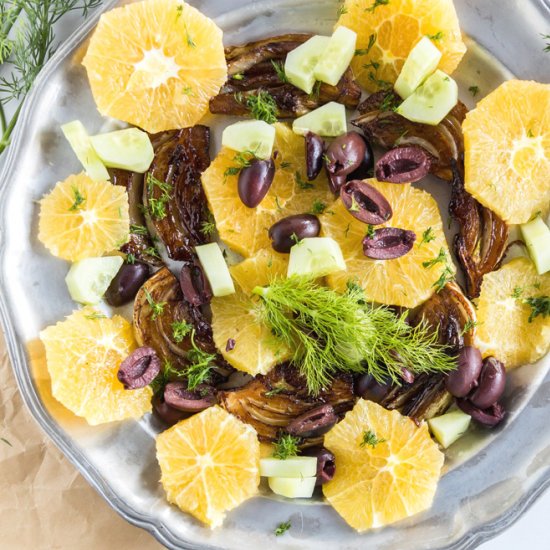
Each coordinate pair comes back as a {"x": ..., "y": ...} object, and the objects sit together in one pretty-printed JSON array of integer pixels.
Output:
[
  {"x": 241, "y": 160},
  {"x": 427, "y": 237},
  {"x": 280, "y": 70},
  {"x": 547, "y": 46},
  {"x": 282, "y": 528},
  {"x": 180, "y": 329},
  {"x": 286, "y": 447},
  {"x": 377, "y": 3},
  {"x": 200, "y": 366},
  {"x": 540, "y": 305},
  {"x": 27, "y": 41},
  {"x": 157, "y": 308},
  {"x": 79, "y": 200},
  {"x": 365, "y": 51},
  {"x": 157, "y": 205},
  {"x": 370, "y": 439},
  {"x": 262, "y": 106},
  {"x": 330, "y": 332}
]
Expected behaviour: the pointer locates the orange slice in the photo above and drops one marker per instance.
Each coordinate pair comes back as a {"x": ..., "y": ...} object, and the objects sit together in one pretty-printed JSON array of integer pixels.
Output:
[
  {"x": 237, "y": 316},
  {"x": 403, "y": 281},
  {"x": 209, "y": 464},
  {"x": 507, "y": 150},
  {"x": 83, "y": 354},
  {"x": 387, "y": 467},
  {"x": 245, "y": 229},
  {"x": 388, "y": 31},
  {"x": 155, "y": 64},
  {"x": 503, "y": 315},
  {"x": 81, "y": 218}
]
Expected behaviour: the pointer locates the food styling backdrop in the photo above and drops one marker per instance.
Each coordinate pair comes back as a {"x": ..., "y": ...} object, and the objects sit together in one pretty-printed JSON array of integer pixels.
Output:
[{"x": 45, "y": 503}]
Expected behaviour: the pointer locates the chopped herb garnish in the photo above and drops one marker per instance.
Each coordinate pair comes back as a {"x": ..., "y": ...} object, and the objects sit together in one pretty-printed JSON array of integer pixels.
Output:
[
  {"x": 474, "y": 90},
  {"x": 130, "y": 259},
  {"x": 302, "y": 184},
  {"x": 202, "y": 362},
  {"x": 262, "y": 106},
  {"x": 427, "y": 237},
  {"x": 180, "y": 329},
  {"x": 286, "y": 446},
  {"x": 280, "y": 70},
  {"x": 238, "y": 76},
  {"x": 377, "y": 3},
  {"x": 274, "y": 391},
  {"x": 371, "y": 232},
  {"x": 342, "y": 10},
  {"x": 468, "y": 326},
  {"x": 370, "y": 439},
  {"x": 208, "y": 228},
  {"x": 365, "y": 51},
  {"x": 316, "y": 91},
  {"x": 444, "y": 278},
  {"x": 95, "y": 315},
  {"x": 384, "y": 84},
  {"x": 282, "y": 528},
  {"x": 517, "y": 292},
  {"x": 440, "y": 258},
  {"x": 318, "y": 207},
  {"x": 295, "y": 238},
  {"x": 437, "y": 36},
  {"x": 152, "y": 251},
  {"x": 179, "y": 11},
  {"x": 157, "y": 206},
  {"x": 242, "y": 160},
  {"x": 138, "y": 229},
  {"x": 546, "y": 37},
  {"x": 388, "y": 102},
  {"x": 540, "y": 305},
  {"x": 190, "y": 41},
  {"x": 157, "y": 308},
  {"x": 79, "y": 200},
  {"x": 285, "y": 165}
]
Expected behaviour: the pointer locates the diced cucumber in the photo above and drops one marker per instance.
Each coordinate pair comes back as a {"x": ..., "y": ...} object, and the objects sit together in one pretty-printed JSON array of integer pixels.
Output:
[
  {"x": 337, "y": 56},
  {"x": 89, "y": 279},
  {"x": 432, "y": 101},
  {"x": 449, "y": 427},
  {"x": 328, "y": 120},
  {"x": 301, "y": 62},
  {"x": 79, "y": 140},
  {"x": 129, "y": 149},
  {"x": 215, "y": 269},
  {"x": 536, "y": 235},
  {"x": 316, "y": 257},
  {"x": 293, "y": 487},
  {"x": 421, "y": 62},
  {"x": 256, "y": 136},
  {"x": 297, "y": 466}
]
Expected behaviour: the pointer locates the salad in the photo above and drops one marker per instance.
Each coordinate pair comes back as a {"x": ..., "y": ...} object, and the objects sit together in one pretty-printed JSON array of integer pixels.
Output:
[{"x": 290, "y": 308}]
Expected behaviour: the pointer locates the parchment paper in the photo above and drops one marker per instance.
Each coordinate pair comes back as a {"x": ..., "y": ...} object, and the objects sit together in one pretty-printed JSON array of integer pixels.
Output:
[{"x": 44, "y": 502}]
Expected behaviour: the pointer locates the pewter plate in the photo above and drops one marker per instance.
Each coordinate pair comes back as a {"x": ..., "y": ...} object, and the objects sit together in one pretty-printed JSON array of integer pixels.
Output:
[{"x": 491, "y": 477}]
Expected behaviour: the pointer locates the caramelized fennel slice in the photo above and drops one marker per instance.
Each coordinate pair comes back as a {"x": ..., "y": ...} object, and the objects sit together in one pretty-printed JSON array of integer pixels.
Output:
[{"x": 259, "y": 66}]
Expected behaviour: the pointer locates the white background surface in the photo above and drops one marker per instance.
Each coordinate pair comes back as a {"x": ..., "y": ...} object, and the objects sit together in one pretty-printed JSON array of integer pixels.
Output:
[{"x": 530, "y": 532}]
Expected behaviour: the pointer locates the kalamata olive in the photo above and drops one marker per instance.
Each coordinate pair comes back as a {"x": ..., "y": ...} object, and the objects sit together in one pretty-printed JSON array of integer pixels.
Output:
[
  {"x": 335, "y": 182},
  {"x": 255, "y": 181},
  {"x": 127, "y": 282},
  {"x": 313, "y": 423},
  {"x": 490, "y": 385},
  {"x": 139, "y": 369},
  {"x": 315, "y": 148},
  {"x": 403, "y": 164},
  {"x": 461, "y": 381},
  {"x": 388, "y": 243},
  {"x": 366, "y": 168},
  {"x": 165, "y": 412},
  {"x": 284, "y": 233},
  {"x": 368, "y": 388},
  {"x": 345, "y": 154},
  {"x": 365, "y": 203},
  {"x": 230, "y": 344},
  {"x": 194, "y": 284},
  {"x": 326, "y": 463},
  {"x": 179, "y": 397},
  {"x": 489, "y": 417}
]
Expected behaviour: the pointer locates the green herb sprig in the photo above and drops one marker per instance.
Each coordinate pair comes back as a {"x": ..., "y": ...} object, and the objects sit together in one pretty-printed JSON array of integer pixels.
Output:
[
  {"x": 286, "y": 447},
  {"x": 262, "y": 106},
  {"x": 27, "y": 41},
  {"x": 157, "y": 308},
  {"x": 377, "y": 3},
  {"x": 332, "y": 332},
  {"x": 201, "y": 364},
  {"x": 282, "y": 528},
  {"x": 540, "y": 306},
  {"x": 370, "y": 439}
]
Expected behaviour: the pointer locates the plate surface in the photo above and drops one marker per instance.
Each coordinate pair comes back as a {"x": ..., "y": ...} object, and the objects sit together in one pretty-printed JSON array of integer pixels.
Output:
[{"x": 491, "y": 477}]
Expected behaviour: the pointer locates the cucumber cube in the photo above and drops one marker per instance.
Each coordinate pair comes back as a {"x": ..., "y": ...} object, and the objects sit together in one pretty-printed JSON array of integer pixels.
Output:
[
  {"x": 297, "y": 466},
  {"x": 255, "y": 136},
  {"x": 316, "y": 257},
  {"x": 421, "y": 62},
  {"x": 337, "y": 56},
  {"x": 128, "y": 149},
  {"x": 432, "y": 101},
  {"x": 215, "y": 269},
  {"x": 449, "y": 427},
  {"x": 293, "y": 487},
  {"x": 536, "y": 235},
  {"x": 89, "y": 279},
  {"x": 79, "y": 140},
  {"x": 301, "y": 62},
  {"x": 328, "y": 120}
]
